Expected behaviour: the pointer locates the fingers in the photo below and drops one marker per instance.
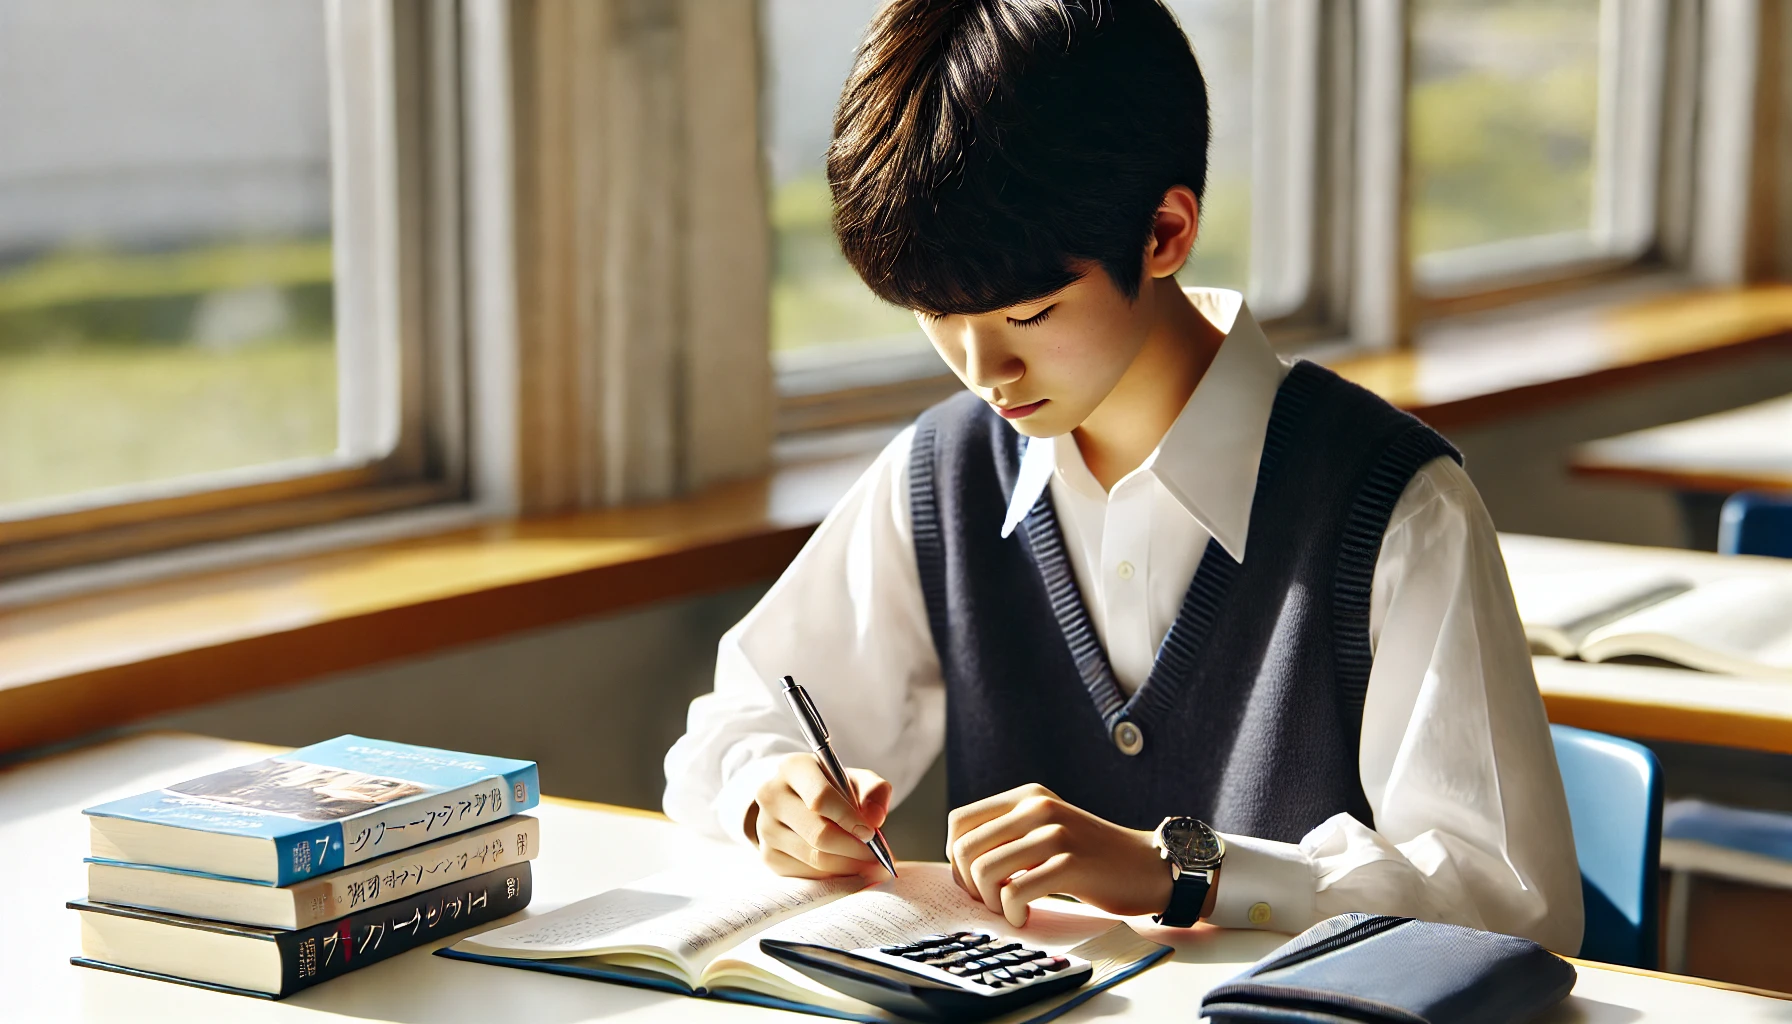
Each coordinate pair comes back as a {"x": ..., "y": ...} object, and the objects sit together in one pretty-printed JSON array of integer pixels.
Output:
[
  {"x": 874, "y": 793},
  {"x": 1034, "y": 883},
  {"x": 806, "y": 780},
  {"x": 784, "y": 864},
  {"x": 964, "y": 819},
  {"x": 1028, "y": 813},
  {"x": 990, "y": 872},
  {"x": 777, "y": 838},
  {"x": 803, "y": 820}
]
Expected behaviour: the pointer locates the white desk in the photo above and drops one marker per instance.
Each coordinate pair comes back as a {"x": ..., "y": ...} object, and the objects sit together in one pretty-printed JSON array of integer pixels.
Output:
[{"x": 585, "y": 849}]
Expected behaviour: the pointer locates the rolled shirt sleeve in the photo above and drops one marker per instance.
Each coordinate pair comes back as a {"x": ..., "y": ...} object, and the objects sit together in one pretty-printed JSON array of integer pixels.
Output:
[
  {"x": 848, "y": 622},
  {"x": 1471, "y": 825}
]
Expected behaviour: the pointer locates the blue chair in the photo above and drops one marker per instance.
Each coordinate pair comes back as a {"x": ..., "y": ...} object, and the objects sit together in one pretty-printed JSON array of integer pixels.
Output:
[
  {"x": 1752, "y": 523},
  {"x": 1614, "y": 804}
]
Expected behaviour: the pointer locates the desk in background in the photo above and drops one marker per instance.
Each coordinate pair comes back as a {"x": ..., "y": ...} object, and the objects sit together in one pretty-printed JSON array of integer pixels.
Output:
[
  {"x": 1702, "y": 460},
  {"x": 1656, "y": 703},
  {"x": 585, "y": 848}
]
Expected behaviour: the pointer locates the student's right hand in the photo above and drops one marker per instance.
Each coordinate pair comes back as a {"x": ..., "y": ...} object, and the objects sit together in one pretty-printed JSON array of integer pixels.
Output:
[{"x": 807, "y": 830}]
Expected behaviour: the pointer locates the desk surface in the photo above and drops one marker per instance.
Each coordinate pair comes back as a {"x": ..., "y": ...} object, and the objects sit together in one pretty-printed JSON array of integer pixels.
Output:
[
  {"x": 1656, "y": 703},
  {"x": 1747, "y": 448},
  {"x": 586, "y": 848}
]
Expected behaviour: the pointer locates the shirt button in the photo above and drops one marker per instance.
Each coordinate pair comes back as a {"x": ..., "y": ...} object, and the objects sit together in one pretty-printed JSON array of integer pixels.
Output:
[
  {"x": 1128, "y": 738},
  {"x": 1260, "y": 913},
  {"x": 1125, "y": 570}
]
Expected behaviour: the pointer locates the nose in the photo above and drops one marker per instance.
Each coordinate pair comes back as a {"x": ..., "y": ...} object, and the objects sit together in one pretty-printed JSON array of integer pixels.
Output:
[{"x": 988, "y": 362}]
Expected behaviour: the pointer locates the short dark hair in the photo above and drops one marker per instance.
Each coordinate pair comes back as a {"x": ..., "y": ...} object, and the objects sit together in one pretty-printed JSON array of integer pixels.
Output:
[{"x": 990, "y": 152}]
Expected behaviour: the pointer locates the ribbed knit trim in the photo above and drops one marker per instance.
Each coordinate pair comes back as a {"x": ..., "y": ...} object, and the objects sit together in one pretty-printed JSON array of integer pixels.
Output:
[
  {"x": 1177, "y": 656},
  {"x": 1045, "y": 542},
  {"x": 924, "y": 515},
  {"x": 1359, "y": 549}
]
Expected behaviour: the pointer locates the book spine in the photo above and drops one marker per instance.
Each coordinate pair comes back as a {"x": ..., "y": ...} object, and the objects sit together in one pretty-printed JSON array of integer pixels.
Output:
[
  {"x": 324, "y": 951},
  {"x": 409, "y": 823},
  {"x": 512, "y": 841},
  {"x": 524, "y": 788},
  {"x": 303, "y": 855}
]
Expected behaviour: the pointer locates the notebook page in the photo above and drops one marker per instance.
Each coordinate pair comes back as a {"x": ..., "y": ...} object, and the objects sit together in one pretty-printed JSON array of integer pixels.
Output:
[
  {"x": 688, "y": 916},
  {"x": 1745, "y": 621},
  {"x": 1559, "y": 609}
]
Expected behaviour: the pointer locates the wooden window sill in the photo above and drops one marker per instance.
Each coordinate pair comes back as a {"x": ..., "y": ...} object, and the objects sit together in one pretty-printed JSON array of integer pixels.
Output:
[{"x": 77, "y": 665}]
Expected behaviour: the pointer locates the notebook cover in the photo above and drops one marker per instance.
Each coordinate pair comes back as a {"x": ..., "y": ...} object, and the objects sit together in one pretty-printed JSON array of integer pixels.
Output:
[
  {"x": 341, "y": 802},
  {"x": 649, "y": 979}
]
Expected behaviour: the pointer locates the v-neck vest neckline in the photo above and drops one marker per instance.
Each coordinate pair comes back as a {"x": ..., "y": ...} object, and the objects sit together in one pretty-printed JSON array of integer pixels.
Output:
[{"x": 1187, "y": 637}]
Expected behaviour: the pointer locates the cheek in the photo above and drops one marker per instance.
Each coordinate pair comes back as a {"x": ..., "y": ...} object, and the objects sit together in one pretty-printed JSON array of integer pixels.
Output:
[{"x": 1084, "y": 360}]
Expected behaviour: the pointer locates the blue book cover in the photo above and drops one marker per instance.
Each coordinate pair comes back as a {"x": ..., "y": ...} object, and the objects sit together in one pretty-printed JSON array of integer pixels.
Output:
[{"x": 341, "y": 802}]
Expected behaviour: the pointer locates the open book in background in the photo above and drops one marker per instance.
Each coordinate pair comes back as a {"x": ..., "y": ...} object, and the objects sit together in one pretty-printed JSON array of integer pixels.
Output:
[
  {"x": 1738, "y": 626},
  {"x": 700, "y": 935}
]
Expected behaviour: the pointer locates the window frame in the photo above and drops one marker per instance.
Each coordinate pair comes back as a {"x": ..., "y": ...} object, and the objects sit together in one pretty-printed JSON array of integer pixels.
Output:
[
  {"x": 1330, "y": 183},
  {"x": 395, "y": 70}
]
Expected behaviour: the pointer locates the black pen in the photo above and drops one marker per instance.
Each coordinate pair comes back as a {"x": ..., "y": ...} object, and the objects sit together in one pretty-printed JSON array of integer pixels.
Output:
[{"x": 816, "y": 732}]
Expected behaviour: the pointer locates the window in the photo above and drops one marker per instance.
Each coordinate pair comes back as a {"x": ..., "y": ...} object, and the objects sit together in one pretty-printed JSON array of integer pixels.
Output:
[
  {"x": 842, "y": 354},
  {"x": 165, "y": 290},
  {"x": 1374, "y": 166},
  {"x": 216, "y": 312},
  {"x": 1517, "y": 112}
]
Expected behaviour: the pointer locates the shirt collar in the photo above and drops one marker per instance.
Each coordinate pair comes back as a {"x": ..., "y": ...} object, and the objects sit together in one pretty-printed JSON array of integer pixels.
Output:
[{"x": 1208, "y": 458}]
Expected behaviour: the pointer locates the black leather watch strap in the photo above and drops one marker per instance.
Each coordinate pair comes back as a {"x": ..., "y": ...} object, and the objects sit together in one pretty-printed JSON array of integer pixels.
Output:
[{"x": 1187, "y": 895}]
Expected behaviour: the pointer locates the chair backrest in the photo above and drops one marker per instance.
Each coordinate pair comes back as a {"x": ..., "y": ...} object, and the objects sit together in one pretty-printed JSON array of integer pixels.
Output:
[
  {"x": 1614, "y": 803},
  {"x": 1753, "y": 523}
]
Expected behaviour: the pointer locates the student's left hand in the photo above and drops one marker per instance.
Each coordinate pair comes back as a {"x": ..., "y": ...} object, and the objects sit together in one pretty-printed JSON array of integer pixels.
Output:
[{"x": 1054, "y": 847}]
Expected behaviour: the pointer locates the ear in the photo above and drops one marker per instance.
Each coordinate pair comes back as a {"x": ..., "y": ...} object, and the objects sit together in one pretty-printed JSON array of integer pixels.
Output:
[{"x": 1173, "y": 230}]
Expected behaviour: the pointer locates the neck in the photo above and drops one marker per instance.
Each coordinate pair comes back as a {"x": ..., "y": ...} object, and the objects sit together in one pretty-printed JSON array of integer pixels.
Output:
[{"x": 1179, "y": 346}]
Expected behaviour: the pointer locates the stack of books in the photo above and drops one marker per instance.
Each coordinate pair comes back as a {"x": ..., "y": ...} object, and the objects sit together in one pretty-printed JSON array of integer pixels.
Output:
[{"x": 269, "y": 878}]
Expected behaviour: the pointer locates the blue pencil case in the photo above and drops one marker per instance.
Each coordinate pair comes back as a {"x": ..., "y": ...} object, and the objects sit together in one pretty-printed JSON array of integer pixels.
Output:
[{"x": 1374, "y": 969}]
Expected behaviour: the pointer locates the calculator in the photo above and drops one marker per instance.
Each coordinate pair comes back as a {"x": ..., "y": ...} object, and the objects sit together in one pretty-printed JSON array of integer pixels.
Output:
[{"x": 950, "y": 978}]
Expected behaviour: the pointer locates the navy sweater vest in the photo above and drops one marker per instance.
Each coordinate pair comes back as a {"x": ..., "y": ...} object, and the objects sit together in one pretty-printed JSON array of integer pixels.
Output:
[{"x": 1250, "y": 717}]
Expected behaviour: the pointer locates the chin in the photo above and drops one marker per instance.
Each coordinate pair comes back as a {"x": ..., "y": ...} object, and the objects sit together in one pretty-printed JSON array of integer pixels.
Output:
[{"x": 1046, "y": 423}]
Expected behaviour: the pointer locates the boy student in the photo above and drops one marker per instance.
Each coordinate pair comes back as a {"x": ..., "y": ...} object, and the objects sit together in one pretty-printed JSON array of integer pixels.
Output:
[{"x": 1204, "y": 634}]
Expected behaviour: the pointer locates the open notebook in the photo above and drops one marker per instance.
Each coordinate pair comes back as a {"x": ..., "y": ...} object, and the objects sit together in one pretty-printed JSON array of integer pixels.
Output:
[
  {"x": 1739, "y": 626},
  {"x": 700, "y": 935}
]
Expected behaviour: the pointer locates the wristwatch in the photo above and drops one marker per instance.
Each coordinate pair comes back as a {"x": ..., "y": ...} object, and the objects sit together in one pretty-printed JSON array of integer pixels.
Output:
[{"x": 1194, "y": 852}]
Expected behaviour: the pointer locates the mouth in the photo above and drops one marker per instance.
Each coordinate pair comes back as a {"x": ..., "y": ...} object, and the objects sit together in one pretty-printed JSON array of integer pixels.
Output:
[{"x": 1020, "y": 411}]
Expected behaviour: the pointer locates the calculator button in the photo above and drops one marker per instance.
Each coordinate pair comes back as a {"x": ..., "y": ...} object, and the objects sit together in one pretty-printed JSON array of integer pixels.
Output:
[
  {"x": 934, "y": 940},
  {"x": 974, "y": 938},
  {"x": 1030, "y": 954},
  {"x": 1026, "y": 971},
  {"x": 1002, "y": 974},
  {"x": 1056, "y": 963},
  {"x": 958, "y": 969},
  {"x": 1009, "y": 959},
  {"x": 1007, "y": 947}
]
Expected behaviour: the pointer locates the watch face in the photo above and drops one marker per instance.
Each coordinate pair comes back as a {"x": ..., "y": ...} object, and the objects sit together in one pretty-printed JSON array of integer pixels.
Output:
[{"x": 1191, "y": 843}]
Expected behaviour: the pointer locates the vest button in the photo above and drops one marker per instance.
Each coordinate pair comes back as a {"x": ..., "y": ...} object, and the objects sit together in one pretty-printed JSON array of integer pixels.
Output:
[{"x": 1128, "y": 738}]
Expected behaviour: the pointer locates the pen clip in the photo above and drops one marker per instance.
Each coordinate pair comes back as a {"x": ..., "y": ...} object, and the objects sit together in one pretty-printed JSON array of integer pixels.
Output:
[{"x": 807, "y": 715}]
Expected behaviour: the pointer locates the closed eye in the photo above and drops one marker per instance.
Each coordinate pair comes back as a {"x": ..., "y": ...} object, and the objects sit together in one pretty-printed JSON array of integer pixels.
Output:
[{"x": 1036, "y": 319}]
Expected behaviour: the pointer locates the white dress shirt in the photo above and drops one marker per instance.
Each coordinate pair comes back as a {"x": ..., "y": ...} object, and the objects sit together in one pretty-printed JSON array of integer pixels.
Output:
[{"x": 1455, "y": 755}]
